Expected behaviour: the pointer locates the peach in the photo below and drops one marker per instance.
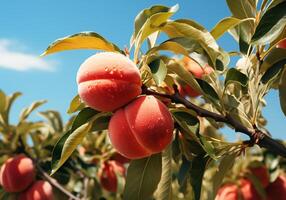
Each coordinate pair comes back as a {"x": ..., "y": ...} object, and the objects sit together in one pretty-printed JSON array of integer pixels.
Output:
[
  {"x": 262, "y": 174},
  {"x": 246, "y": 190},
  {"x": 282, "y": 44},
  {"x": 142, "y": 128},
  {"x": 197, "y": 71},
  {"x": 40, "y": 190},
  {"x": 17, "y": 173},
  {"x": 228, "y": 192},
  {"x": 108, "y": 177},
  {"x": 107, "y": 81},
  {"x": 277, "y": 189}
]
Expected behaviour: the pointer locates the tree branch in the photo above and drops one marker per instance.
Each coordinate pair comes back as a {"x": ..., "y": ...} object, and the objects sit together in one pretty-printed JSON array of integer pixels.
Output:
[
  {"x": 54, "y": 182},
  {"x": 256, "y": 136}
]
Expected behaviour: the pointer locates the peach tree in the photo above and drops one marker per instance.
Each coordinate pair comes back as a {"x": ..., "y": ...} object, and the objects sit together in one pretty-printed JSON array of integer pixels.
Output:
[{"x": 139, "y": 101}]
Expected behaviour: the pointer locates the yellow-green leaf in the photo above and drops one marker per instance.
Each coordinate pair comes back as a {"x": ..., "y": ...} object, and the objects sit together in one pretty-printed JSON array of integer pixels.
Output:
[
  {"x": 226, "y": 24},
  {"x": 83, "y": 40}
]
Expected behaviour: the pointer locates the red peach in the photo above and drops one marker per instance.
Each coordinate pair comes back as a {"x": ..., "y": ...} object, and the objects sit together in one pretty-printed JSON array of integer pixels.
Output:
[
  {"x": 248, "y": 190},
  {"x": 282, "y": 44},
  {"x": 198, "y": 72},
  {"x": 228, "y": 192},
  {"x": 107, "y": 81},
  {"x": 277, "y": 189},
  {"x": 40, "y": 190},
  {"x": 262, "y": 174},
  {"x": 107, "y": 174},
  {"x": 17, "y": 173},
  {"x": 143, "y": 127}
]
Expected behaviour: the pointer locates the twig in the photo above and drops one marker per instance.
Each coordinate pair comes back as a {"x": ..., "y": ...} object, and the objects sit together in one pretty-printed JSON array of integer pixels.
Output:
[
  {"x": 257, "y": 137},
  {"x": 54, "y": 182}
]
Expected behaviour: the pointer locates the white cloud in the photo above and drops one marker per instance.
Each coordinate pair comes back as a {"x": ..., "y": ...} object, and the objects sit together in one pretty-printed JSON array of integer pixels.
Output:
[{"x": 20, "y": 60}]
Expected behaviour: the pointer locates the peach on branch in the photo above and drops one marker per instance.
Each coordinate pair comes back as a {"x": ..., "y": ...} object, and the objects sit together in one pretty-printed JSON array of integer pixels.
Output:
[
  {"x": 107, "y": 81},
  {"x": 142, "y": 128},
  {"x": 228, "y": 192},
  {"x": 277, "y": 189},
  {"x": 198, "y": 72},
  {"x": 244, "y": 190},
  {"x": 262, "y": 175},
  {"x": 17, "y": 173},
  {"x": 108, "y": 175},
  {"x": 40, "y": 190},
  {"x": 282, "y": 44}
]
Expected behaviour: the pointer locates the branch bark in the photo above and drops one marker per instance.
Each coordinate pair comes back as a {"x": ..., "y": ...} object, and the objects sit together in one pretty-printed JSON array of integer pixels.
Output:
[{"x": 256, "y": 136}]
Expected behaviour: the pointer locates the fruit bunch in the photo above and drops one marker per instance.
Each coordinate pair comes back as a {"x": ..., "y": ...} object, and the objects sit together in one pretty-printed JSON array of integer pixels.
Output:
[
  {"x": 18, "y": 175},
  {"x": 246, "y": 190},
  {"x": 141, "y": 124}
]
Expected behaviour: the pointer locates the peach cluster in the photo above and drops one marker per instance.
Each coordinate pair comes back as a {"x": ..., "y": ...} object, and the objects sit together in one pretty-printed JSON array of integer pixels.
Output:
[
  {"x": 245, "y": 189},
  {"x": 17, "y": 175},
  {"x": 141, "y": 125}
]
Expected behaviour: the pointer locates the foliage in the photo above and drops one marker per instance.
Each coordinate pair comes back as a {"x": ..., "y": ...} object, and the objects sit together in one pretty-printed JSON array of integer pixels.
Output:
[{"x": 199, "y": 160}]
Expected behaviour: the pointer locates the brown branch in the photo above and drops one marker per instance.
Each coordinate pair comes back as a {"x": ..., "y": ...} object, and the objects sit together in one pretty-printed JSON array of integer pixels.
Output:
[
  {"x": 54, "y": 182},
  {"x": 256, "y": 136}
]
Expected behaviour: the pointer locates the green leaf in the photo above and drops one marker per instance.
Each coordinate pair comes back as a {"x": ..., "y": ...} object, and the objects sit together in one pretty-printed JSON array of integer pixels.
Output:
[
  {"x": 2, "y": 101},
  {"x": 233, "y": 75},
  {"x": 83, "y": 117},
  {"x": 164, "y": 190},
  {"x": 271, "y": 24},
  {"x": 151, "y": 25},
  {"x": 198, "y": 165},
  {"x": 208, "y": 90},
  {"x": 225, "y": 165},
  {"x": 145, "y": 14},
  {"x": 272, "y": 56},
  {"x": 54, "y": 119},
  {"x": 183, "y": 171},
  {"x": 184, "y": 74},
  {"x": 69, "y": 144},
  {"x": 83, "y": 40},
  {"x": 179, "y": 45},
  {"x": 9, "y": 102},
  {"x": 27, "y": 111},
  {"x": 188, "y": 122},
  {"x": 273, "y": 71},
  {"x": 226, "y": 24},
  {"x": 243, "y": 9},
  {"x": 143, "y": 176},
  {"x": 204, "y": 38},
  {"x": 282, "y": 92},
  {"x": 75, "y": 105},
  {"x": 159, "y": 70}
]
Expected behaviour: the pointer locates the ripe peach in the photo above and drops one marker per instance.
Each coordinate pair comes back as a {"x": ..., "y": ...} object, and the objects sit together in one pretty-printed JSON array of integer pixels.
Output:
[
  {"x": 248, "y": 190},
  {"x": 228, "y": 192},
  {"x": 17, "y": 173},
  {"x": 282, "y": 44},
  {"x": 262, "y": 174},
  {"x": 198, "y": 72},
  {"x": 143, "y": 127},
  {"x": 107, "y": 174},
  {"x": 245, "y": 190},
  {"x": 40, "y": 190},
  {"x": 107, "y": 81},
  {"x": 277, "y": 189}
]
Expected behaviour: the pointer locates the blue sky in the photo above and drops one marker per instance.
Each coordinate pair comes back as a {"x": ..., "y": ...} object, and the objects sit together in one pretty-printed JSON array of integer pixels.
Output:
[{"x": 27, "y": 27}]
